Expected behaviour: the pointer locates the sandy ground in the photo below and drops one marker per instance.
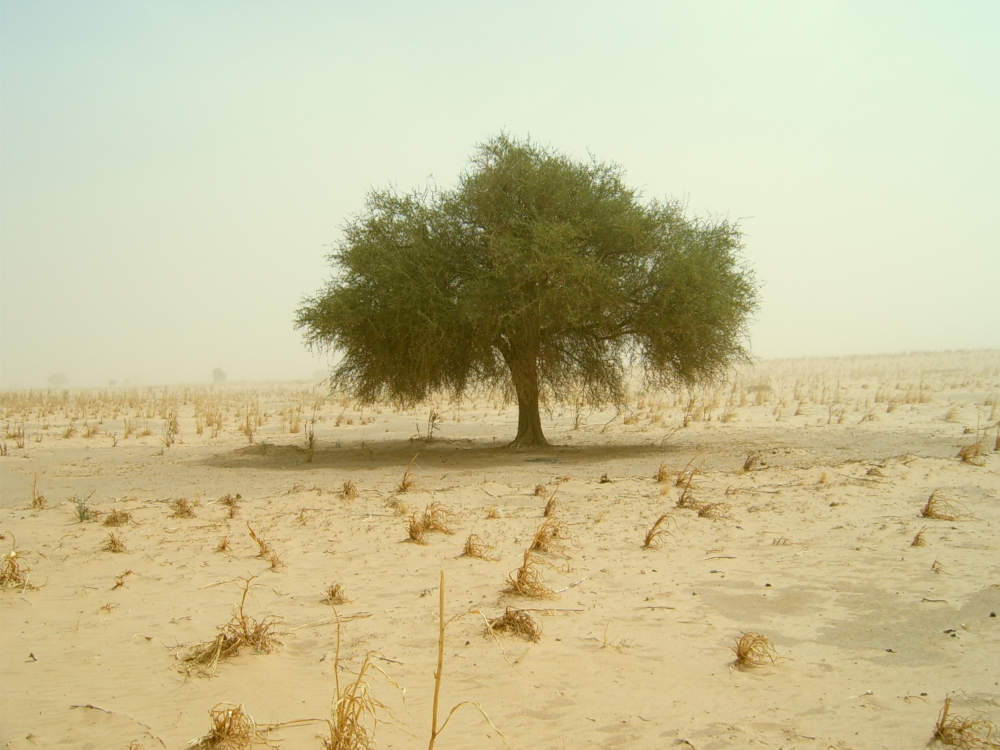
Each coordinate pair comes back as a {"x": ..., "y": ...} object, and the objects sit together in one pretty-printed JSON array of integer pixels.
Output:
[{"x": 811, "y": 547}]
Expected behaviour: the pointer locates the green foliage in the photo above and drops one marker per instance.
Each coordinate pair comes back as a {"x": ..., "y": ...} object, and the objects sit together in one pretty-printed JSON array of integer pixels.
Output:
[{"x": 537, "y": 275}]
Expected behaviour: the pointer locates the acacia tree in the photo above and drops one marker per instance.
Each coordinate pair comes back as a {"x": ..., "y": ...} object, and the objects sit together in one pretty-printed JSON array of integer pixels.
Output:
[{"x": 537, "y": 274}]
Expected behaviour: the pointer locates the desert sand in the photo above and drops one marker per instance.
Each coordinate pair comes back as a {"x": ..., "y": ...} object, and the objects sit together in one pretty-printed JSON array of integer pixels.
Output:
[{"x": 794, "y": 496}]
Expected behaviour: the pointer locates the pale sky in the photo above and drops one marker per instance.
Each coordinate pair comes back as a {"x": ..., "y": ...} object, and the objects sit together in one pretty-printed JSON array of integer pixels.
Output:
[{"x": 174, "y": 172}]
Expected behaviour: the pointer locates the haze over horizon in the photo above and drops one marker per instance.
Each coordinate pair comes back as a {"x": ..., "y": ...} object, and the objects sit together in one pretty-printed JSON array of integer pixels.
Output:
[{"x": 174, "y": 173}]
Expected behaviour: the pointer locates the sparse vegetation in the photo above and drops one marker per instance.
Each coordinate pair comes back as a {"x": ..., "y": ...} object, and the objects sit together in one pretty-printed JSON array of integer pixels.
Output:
[
  {"x": 242, "y": 631},
  {"x": 83, "y": 511}
]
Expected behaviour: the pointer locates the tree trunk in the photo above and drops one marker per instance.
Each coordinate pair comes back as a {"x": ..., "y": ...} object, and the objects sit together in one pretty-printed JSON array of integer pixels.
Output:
[{"x": 524, "y": 374}]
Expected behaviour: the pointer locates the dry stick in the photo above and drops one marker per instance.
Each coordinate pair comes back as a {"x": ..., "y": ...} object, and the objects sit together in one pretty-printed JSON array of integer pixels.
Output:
[
  {"x": 440, "y": 666},
  {"x": 442, "y": 625}
]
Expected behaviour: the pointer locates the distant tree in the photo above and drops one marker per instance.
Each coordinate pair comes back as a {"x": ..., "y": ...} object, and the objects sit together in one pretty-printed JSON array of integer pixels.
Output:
[
  {"x": 218, "y": 376},
  {"x": 539, "y": 275}
]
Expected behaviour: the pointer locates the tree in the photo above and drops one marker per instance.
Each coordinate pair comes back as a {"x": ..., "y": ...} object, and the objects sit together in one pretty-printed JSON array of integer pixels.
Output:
[{"x": 537, "y": 274}]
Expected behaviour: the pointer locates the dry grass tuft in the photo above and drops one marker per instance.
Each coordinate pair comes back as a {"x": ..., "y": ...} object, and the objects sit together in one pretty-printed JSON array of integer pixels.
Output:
[
  {"x": 408, "y": 482},
  {"x": 527, "y": 581},
  {"x": 754, "y": 461},
  {"x": 550, "y": 507},
  {"x": 242, "y": 631},
  {"x": 232, "y": 502},
  {"x": 114, "y": 543},
  {"x": 753, "y": 650},
  {"x": 120, "y": 580},
  {"x": 223, "y": 545},
  {"x": 605, "y": 479},
  {"x": 14, "y": 572},
  {"x": 182, "y": 508},
  {"x": 552, "y": 537},
  {"x": 434, "y": 518},
  {"x": 417, "y": 532},
  {"x": 232, "y": 729},
  {"x": 973, "y": 453},
  {"x": 964, "y": 731},
  {"x": 664, "y": 474},
  {"x": 714, "y": 511},
  {"x": 476, "y": 547},
  {"x": 118, "y": 518},
  {"x": 539, "y": 490},
  {"x": 918, "y": 539},
  {"x": 943, "y": 508},
  {"x": 493, "y": 513},
  {"x": 659, "y": 530},
  {"x": 37, "y": 498},
  {"x": 686, "y": 476},
  {"x": 265, "y": 550},
  {"x": 335, "y": 594},
  {"x": 349, "y": 491},
  {"x": 515, "y": 622},
  {"x": 398, "y": 507}
]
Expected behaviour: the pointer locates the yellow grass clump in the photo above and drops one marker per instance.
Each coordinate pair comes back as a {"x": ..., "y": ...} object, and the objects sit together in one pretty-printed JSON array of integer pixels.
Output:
[
  {"x": 476, "y": 547},
  {"x": 656, "y": 533},
  {"x": 973, "y": 452},
  {"x": 118, "y": 518},
  {"x": 183, "y": 508},
  {"x": 515, "y": 622},
  {"x": 435, "y": 517},
  {"x": 232, "y": 729},
  {"x": 114, "y": 543},
  {"x": 242, "y": 631},
  {"x": 528, "y": 581},
  {"x": 552, "y": 537},
  {"x": 14, "y": 572},
  {"x": 408, "y": 482},
  {"x": 965, "y": 731},
  {"x": 942, "y": 508},
  {"x": 335, "y": 594},
  {"x": 753, "y": 650}
]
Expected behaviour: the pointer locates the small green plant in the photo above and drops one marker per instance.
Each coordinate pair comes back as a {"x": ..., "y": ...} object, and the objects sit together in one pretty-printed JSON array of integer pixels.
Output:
[{"x": 83, "y": 511}]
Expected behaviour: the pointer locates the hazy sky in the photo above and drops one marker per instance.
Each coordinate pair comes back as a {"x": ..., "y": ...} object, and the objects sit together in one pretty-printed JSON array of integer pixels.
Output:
[{"x": 173, "y": 172}]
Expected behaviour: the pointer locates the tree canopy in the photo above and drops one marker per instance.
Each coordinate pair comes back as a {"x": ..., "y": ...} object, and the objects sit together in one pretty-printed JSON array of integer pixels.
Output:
[{"x": 537, "y": 274}]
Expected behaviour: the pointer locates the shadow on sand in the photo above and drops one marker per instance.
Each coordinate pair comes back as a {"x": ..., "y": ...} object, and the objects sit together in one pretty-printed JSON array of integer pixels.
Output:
[{"x": 437, "y": 453}]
